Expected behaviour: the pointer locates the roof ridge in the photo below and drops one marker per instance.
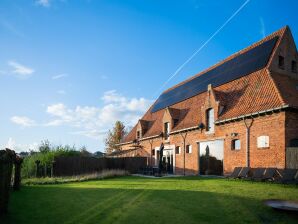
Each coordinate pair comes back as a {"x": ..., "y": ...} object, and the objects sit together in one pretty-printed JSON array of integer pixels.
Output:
[{"x": 278, "y": 33}]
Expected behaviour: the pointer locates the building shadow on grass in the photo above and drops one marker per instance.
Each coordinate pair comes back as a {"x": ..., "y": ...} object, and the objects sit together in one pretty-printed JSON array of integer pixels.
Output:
[{"x": 77, "y": 204}]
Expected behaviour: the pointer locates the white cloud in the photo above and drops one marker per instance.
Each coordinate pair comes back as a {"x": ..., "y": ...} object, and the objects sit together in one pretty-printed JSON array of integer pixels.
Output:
[
  {"x": 11, "y": 144},
  {"x": 23, "y": 121},
  {"x": 44, "y": 3},
  {"x": 90, "y": 121},
  {"x": 59, "y": 76},
  {"x": 21, "y": 71},
  {"x": 262, "y": 29},
  {"x": 95, "y": 121}
]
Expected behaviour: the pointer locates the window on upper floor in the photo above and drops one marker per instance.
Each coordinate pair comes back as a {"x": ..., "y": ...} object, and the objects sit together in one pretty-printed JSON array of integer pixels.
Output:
[
  {"x": 167, "y": 130},
  {"x": 210, "y": 120},
  {"x": 138, "y": 134},
  {"x": 263, "y": 141},
  {"x": 236, "y": 144},
  {"x": 294, "y": 66},
  {"x": 177, "y": 150},
  {"x": 188, "y": 149},
  {"x": 281, "y": 62}
]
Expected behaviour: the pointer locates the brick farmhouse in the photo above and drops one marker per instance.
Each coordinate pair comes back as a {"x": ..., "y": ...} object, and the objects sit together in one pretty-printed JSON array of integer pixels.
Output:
[{"x": 243, "y": 111}]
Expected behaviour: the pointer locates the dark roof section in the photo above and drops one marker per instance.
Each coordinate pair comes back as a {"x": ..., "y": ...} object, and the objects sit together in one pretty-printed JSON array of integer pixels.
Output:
[{"x": 239, "y": 66}]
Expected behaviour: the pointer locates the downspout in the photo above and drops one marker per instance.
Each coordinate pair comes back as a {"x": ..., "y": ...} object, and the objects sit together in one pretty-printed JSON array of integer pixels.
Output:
[
  {"x": 151, "y": 143},
  {"x": 184, "y": 149},
  {"x": 248, "y": 125}
]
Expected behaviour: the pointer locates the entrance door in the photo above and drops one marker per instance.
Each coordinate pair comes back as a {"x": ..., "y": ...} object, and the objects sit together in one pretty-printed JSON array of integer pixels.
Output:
[
  {"x": 168, "y": 161},
  {"x": 211, "y": 157}
]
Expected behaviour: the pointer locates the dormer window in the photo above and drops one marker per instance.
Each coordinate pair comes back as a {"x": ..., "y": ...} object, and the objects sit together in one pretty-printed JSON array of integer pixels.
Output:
[
  {"x": 294, "y": 66},
  {"x": 210, "y": 120},
  {"x": 281, "y": 62},
  {"x": 167, "y": 130},
  {"x": 138, "y": 134}
]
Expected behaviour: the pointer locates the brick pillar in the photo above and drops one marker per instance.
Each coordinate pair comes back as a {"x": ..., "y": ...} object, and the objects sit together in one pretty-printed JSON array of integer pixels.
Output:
[
  {"x": 7, "y": 158},
  {"x": 17, "y": 173}
]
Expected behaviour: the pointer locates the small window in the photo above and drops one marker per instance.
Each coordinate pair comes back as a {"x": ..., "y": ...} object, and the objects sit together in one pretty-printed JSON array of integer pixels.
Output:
[
  {"x": 294, "y": 66},
  {"x": 188, "y": 149},
  {"x": 263, "y": 141},
  {"x": 281, "y": 62},
  {"x": 167, "y": 130},
  {"x": 177, "y": 150},
  {"x": 236, "y": 144},
  {"x": 210, "y": 120},
  {"x": 138, "y": 134},
  {"x": 153, "y": 152}
]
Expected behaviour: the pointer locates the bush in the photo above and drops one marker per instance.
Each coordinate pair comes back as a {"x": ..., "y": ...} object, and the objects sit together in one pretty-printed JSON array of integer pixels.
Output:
[
  {"x": 46, "y": 156},
  {"x": 105, "y": 174}
]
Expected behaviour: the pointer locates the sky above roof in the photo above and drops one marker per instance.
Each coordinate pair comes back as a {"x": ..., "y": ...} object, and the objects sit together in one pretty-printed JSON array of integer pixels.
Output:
[{"x": 70, "y": 69}]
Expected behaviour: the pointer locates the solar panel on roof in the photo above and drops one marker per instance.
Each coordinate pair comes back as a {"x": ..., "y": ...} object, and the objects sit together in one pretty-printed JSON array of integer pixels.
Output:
[{"x": 243, "y": 64}]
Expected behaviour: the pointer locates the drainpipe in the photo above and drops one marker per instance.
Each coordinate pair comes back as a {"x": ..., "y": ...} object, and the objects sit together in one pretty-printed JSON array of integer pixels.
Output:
[
  {"x": 151, "y": 143},
  {"x": 184, "y": 149},
  {"x": 248, "y": 124}
]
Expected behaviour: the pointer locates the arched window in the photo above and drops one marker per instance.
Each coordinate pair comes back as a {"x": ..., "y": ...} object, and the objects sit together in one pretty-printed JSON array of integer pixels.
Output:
[
  {"x": 294, "y": 142},
  {"x": 236, "y": 144},
  {"x": 210, "y": 120}
]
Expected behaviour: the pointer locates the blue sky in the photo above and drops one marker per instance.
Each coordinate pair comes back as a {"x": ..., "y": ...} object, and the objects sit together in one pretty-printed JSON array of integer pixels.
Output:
[{"x": 69, "y": 69}]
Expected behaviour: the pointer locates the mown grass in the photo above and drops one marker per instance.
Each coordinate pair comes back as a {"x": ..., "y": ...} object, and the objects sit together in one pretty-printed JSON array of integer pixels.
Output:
[{"x": 141, "y": 200}]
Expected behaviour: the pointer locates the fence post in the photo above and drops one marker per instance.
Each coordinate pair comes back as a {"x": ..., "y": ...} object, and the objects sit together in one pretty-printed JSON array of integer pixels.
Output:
[
  {"x": 7, "y": 158},
  {"x": 17, "y": 173},
  {"x": 37, "y": 162}
]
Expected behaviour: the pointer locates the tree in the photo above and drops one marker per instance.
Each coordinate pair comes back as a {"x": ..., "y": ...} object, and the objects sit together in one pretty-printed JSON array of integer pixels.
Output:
[
  {"x": 45, "y": 146},
  {"x": 114, "y": 137}
]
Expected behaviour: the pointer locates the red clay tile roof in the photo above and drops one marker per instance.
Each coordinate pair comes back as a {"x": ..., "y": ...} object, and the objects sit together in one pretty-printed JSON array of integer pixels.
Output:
[
  {"x": 255, "y": 92},
  {"x": 287, "y": 87}
]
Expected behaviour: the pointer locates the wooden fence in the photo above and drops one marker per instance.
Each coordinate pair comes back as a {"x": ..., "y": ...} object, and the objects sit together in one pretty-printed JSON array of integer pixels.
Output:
[
  {"x": 292, "y": 158},
  {"x": 76, "y": 165}
]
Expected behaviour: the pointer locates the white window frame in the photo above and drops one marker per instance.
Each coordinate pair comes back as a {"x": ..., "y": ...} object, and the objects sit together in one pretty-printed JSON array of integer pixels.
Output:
[
  {"x": 189, "y": 149},
  {"x": 179, "y": 150},
  {"x": 263, "y": 141},
  {"x": 167, "y": 134},
  {"x": 234, "y": 145},
  {"x": 210, "y": 120}
]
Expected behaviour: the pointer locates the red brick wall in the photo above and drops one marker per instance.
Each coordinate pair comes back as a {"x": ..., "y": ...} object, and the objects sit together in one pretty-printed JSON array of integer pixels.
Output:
[
  {"x": 291, "y": 126},
  {"x": 271, "y": 125}
]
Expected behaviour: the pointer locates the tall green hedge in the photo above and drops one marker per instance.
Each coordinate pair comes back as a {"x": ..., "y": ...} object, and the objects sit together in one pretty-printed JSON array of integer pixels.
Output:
[{"x": 46, "y": 157}]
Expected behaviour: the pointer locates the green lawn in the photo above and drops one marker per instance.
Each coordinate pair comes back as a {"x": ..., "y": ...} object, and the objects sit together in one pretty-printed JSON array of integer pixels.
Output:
[{"x": 141, "y": 200}]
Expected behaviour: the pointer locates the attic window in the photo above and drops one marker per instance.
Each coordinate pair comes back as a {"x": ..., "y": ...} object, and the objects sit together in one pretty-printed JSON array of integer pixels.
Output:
[
  {"x": 210, "y": 120},
  {"x": 281, "y": 62},
  {"x": 175, "y": 122},
  {"x": 294, "y": 66},
  {"x": 167, "y": 130},
  {"x": 138, "y": 134}
]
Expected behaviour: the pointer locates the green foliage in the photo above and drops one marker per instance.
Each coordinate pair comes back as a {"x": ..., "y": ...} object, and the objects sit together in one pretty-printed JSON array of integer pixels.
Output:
[
  {"x": 105, "y": 174},
  {"x": 46, "y": 156},
  {"x": 114, "y": 137}
]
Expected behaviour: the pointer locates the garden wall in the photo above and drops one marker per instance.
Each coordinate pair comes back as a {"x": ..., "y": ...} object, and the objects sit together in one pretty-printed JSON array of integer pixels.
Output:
[{"x": 76, "y": 165}]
